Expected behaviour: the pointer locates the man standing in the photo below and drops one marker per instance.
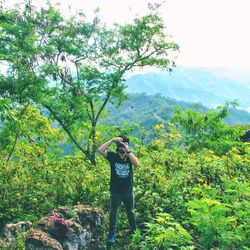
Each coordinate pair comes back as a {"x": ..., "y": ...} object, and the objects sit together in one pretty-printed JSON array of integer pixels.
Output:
[{"x": 121, "y": 181}]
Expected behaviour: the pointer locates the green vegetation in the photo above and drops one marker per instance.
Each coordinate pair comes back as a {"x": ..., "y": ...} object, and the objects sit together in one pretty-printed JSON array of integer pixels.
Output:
[
  {"x": 73, "y": 67},
  {"x": 207, "y": 130},
  {"x": 186, "y": 197},
  {"x": 149, "y": 110}
]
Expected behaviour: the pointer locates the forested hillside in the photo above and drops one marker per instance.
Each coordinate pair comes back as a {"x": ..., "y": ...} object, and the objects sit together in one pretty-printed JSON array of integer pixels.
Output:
[{"x": 148, "y": 110}]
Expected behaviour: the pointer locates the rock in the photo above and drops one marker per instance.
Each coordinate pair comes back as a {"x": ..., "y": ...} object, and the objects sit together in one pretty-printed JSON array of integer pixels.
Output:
[
  {"x": 91, "y": 219},
  {"x": 75, "y": 228},
  {"x": 89, "y": 216},
  {"x": 77, "y": 237},
  {"x": 64, "y": 228},
  {"x": 39, "y": 240},
  {"x": 56, "y": 226},
  {"x": 11, "y": 230},
  {"x": 2, "y": 244}
]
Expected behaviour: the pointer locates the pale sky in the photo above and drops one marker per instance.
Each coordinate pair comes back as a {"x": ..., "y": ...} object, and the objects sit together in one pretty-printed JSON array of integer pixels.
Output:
[{"x": 210, "y": 33}]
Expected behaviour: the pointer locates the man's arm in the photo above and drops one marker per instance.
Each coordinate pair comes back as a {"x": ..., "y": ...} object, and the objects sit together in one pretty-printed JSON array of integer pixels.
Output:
[
  {"x": 133, "y": 159},
  {"x": 103, "y": 150},
  {"x": 131, "y": 156}
]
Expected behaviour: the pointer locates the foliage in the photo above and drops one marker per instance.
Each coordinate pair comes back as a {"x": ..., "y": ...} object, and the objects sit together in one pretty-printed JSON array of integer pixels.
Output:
[
  {"x": 184, "y": 199},
  {"x": 207, "y": 130},
  {"x": 216, "y": 222},
  {"x": 19, "y": 242},
  {"x": 164, "y": 233},
  {"x": 73, "y": 67},
  {"x": 150, "y": 110}
]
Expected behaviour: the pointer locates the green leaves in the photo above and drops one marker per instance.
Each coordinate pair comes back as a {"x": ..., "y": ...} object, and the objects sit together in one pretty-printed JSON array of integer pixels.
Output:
[
  {"x": 164, "y": 233},
  {"x": 75, "y": 67},
  {"x": 183, "y": 200},
  {"x": 207, "y": 130},
  {"x": 211, "y": 219}
]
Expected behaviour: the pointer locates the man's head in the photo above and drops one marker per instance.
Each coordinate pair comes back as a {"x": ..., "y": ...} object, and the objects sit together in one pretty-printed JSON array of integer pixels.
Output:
[
  {"x": 124, "y": 138},
  {"x": 120, "y": 146}
]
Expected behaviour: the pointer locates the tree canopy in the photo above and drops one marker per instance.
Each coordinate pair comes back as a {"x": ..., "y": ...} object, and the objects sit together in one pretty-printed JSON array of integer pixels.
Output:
[{"x": 73, "y": 67}]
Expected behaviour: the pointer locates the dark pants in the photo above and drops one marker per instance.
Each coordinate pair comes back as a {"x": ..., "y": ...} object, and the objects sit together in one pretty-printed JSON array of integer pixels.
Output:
[{"x": 128, "y": 201}]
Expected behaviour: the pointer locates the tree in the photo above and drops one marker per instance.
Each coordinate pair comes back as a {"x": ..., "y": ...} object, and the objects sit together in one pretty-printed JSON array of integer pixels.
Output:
[
  {"x": 74, "y": 67},
  {"x": 207, "y": 130}
]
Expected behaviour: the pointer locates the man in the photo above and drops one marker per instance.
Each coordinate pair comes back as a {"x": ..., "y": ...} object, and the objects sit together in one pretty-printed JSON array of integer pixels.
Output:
[{"x": 121, "y": 181}]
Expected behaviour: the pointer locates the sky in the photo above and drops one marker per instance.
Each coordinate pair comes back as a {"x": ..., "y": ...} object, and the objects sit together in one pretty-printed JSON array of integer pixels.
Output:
[{"x": 210, "y": 33}]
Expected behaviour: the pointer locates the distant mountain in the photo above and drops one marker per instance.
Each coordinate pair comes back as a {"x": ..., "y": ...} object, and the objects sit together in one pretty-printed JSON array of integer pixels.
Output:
[
  {"x": 148, "y": 110},
  {"x": 241, "y": 75},
  {"x": 210, "y": 87}
]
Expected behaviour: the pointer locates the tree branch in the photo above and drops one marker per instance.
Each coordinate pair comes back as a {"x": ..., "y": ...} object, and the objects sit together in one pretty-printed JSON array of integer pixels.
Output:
[
  {"x": 66, "y": 130},
  {"x": 102, "y": 107},
  {"x": 16, "y": 137}
]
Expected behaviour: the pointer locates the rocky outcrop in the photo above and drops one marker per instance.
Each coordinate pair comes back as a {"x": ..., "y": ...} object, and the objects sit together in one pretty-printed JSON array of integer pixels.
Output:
[
  {"x": 79, "y": 227},
  {"x": 37, "y": 239},
  {"x": 2, "y": 243},
  {"x": 11, "y": 231}
]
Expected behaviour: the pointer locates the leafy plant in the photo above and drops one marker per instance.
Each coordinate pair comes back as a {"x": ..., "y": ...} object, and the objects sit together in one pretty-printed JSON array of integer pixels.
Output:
[
  {"x": 164, "y": 233},
  {"x": 212, "y": 220},
  {"x": 207, "y": 130}
]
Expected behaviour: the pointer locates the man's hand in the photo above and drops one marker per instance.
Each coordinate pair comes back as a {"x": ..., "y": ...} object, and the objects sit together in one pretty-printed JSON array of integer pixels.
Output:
[
  {"x": 117, "y": 139},
  {"x": 103, "y": 149},
  {"x": 125, "y": 146},
  {"x": 131, "y": 156}
]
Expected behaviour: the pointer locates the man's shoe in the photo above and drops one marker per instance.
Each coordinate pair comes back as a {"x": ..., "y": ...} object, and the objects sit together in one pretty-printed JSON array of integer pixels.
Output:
[{"x": 111, "y": 239}]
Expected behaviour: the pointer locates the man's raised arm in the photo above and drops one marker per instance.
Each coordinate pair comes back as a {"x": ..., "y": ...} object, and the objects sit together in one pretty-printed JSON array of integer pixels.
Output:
[{"x": 103, "y": 149}]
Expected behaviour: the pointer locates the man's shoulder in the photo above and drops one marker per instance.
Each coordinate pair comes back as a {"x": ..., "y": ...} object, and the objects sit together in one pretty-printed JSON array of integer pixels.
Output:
[{"x": 111, "y": 154}]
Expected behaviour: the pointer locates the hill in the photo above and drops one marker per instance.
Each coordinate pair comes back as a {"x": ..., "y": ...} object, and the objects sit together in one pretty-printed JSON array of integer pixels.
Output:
[
  {"x": 199, "y": 85},
  {"x": 148, "y": 110}
]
